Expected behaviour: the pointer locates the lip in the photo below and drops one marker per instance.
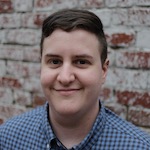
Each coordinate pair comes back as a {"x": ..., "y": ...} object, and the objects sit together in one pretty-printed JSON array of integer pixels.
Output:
[{"x": 66, "y": 92}]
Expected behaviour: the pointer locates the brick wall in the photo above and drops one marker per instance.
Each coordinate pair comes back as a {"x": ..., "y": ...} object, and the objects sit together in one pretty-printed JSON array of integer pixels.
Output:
[{"x": 127, "y": 28}]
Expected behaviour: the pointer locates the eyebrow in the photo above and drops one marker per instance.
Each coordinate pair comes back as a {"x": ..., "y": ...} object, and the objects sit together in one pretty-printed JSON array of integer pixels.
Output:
[
  {"x": 51, "y": 55},
  {"x": 76, "y": 56},
  {"x": 83, "y": 56}
]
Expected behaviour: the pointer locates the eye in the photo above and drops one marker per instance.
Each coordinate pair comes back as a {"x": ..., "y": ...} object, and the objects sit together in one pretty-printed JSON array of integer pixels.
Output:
[
  {"x": 82, "y": 63},
  {"x": 54, "y": 63}
]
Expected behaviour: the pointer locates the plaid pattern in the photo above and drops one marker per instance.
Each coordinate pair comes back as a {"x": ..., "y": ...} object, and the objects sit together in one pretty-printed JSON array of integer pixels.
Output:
[{"x": 32, "y": 131}]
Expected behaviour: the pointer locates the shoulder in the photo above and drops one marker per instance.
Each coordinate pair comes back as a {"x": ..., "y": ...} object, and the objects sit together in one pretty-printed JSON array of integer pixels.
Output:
[
  {"x": 23, "y": 122},
  {"x": 24, "y": 131},
  {"x": 125, "y": 130}
]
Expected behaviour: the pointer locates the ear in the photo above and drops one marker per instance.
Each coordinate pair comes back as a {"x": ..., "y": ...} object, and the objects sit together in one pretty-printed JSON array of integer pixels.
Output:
[{"x": 105, "y": 70}]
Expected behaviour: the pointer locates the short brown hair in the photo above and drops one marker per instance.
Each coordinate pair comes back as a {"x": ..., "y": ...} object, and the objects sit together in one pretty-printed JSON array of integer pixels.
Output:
[{"x": 72, "y": 19}]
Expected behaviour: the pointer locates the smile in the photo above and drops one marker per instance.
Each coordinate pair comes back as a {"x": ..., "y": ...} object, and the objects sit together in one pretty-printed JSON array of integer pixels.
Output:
[{"x": 66, "y": 92}]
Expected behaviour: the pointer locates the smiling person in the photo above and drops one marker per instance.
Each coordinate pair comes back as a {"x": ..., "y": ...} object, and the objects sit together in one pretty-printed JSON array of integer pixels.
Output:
[{"x": 74, "y": 66}]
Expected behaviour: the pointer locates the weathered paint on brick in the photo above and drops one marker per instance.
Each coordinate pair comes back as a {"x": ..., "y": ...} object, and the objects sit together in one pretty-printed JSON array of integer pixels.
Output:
[
  {"x": 6, "y": 6},
  {"x": 119, "y": 3},
  {"x": 139, "y": 16},
  {"x": 139, "y": 116},
  {"x": 134, "y": 59},
  {"x": 10, "y": 82},
  {"x": 133, "y": 98},
  {"x": 91, "y": 3},
  {"x": 119, "y": 37}
]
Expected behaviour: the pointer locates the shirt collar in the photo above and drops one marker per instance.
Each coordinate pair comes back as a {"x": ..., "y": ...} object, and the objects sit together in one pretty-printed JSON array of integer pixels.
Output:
[{"x": 89, "y": 140}]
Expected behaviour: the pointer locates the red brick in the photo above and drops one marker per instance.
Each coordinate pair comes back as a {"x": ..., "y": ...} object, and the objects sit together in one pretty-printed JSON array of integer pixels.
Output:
[
  {"x": 6, "y": 6},
  {"x": 91, "y": 3},
  {"x": 38, "y": 100},
  {"x": 133, "y": 59},
  {"x": 139, "y": 16},
  {"x": 139, "y": 116},
  {"x": 133, "y": 98},
  {"x": 120, "y": 37},
  {"x": 10, "y": 82}
]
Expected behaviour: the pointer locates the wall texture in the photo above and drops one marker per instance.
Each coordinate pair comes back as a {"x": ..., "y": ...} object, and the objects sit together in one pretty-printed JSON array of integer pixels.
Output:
[{"x": 127, "y": 28}]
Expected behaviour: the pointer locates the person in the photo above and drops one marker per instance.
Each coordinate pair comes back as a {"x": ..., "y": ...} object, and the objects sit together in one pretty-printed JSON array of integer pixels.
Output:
[{"x": 74, "y": 66}]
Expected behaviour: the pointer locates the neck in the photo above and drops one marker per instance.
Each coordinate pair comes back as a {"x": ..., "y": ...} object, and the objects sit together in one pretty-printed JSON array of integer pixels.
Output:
[{"x": 72, "y": 130}]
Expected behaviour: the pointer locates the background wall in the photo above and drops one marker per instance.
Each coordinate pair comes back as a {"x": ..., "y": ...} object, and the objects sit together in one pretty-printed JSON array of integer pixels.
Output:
[{"x": 127, "y": 28}]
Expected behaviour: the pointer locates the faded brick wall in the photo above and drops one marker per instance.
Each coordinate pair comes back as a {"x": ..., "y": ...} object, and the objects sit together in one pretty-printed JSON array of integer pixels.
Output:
[{"x": 127, "y": 27}]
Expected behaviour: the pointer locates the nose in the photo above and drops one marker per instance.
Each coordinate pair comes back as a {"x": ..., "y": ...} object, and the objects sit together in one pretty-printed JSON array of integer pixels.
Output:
[{"x": 66, "y": 75}]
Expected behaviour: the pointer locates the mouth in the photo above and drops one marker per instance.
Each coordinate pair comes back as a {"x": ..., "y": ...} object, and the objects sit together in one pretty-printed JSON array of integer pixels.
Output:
[{"x": 67, "y": 92}]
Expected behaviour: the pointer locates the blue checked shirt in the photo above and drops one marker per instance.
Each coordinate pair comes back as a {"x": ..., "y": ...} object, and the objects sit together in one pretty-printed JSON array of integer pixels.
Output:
[{"x": 32, "y": 131}]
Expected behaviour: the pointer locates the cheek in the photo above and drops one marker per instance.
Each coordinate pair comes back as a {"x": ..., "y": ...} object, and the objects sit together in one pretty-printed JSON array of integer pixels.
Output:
[
  {"x": 46, "y": 78},
  {"x": 92, "y": 78}
]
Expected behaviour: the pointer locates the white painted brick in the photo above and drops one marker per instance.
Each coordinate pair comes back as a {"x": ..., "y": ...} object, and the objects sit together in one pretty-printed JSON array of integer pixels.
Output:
[
  {"x": 119, "y": 16},
  {"x": 22, "y": 5},
  {"x": 40, "y": 5},
  {"x": 13, "y": 52},
  {"x": 128, "y": 79},
  {"x": 33, "y": 20},
  {"x": 61, "y": 4},
  {"x": 31, "y": 53},
  {"x": 15, "y": 68},
  {"x": 91, "y": 3},
  {"x": 119, "y": 3},
  {"x": 2, "y": 68},
  {"x": 10, "y": 20},
  {"x": 104, "y": 15},
  {"x": 143, "y": 2},
  {"x": 23, "y": 36},
  {"x": 143, "y": 38},
  {"x": 22, "y": 98},
  {"x": 6, "y": 96},
  {"x": 148, "y": 81},
  {"x": 2, "y": 35},
  {"x": 139, "y": 16},
  {"x": 32, "y": 84},
  {"x": 32, "y": 69}
]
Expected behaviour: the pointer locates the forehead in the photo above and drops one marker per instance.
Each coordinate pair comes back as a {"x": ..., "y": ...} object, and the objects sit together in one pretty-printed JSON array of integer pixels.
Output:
[{"x": 76, "y": 39}]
